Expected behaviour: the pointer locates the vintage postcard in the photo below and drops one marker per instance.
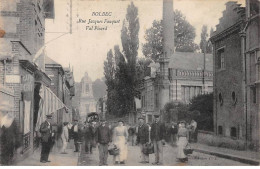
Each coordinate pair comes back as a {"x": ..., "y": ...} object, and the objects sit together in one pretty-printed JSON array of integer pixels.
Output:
[{"x": 129, "y": 82}]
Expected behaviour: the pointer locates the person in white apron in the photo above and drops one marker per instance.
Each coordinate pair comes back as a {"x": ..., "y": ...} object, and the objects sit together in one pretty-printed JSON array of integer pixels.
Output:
[
  {"x": 120, "y": 137},
  {"x": 183, "y": 135},
  {"x": 64, "y": 137}
]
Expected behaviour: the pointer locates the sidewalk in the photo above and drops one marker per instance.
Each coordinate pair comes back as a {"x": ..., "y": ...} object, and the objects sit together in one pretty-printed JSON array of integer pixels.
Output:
[
  {"x": 56, "y": 158},
  {"x": 248, "y": 157}
]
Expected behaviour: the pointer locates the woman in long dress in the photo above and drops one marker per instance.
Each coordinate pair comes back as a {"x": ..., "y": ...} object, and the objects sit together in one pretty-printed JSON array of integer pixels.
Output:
[
  {"x": 64, "y": 137},
  {"x": 183, "y": 135},
  {"x": 120, "y": 137}
]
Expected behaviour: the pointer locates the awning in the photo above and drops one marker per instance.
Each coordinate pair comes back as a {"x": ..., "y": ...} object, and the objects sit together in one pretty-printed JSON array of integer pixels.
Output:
[{"x": 49, "y": 104}]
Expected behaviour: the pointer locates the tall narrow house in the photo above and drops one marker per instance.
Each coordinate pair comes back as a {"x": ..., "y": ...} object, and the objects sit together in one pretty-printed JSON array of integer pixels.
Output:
[{"x": 236, "y": 74}]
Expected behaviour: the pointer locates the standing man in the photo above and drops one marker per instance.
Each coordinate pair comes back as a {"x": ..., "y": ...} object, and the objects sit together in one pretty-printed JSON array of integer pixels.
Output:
[
  {"x": 142, "y": 139},
  {"x": 89, "y": 136},
  {"x": 131, "y": 132},
  {"x": 46, "y": 131},
  {"x": 75, "y": 133},
  {"x": 93, "y": 128},
  {"x": 194, "y": 131},
  {"x": 158, "y": 139},
  {"x": 103, "y": 140}
]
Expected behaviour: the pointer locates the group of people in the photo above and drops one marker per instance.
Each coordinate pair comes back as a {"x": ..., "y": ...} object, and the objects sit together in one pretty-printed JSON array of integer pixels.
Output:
[
  {"x": 47, "y": 135},
  {"x": 105, "y": 137}
]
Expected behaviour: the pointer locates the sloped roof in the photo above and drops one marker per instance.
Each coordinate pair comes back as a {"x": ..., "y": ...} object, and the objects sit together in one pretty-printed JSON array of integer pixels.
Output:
[
  {"x": 50, "y": 61},
  {"x": 231, "y": 15},
  {"x": 191, "y": 61}
]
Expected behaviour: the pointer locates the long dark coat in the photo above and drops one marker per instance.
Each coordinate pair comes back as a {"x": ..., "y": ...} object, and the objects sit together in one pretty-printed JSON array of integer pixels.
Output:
[{"x": 143, "y": 134}]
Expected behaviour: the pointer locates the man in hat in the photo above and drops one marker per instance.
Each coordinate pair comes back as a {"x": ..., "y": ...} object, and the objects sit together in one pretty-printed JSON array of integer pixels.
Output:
[
  {"x": 75, "y": 134},
  {"x": 142, "y": 138},
  {"x": 158, "y": 139},
  {"x": 46, "y": 132},
  {"x": 103, "y": 139}
]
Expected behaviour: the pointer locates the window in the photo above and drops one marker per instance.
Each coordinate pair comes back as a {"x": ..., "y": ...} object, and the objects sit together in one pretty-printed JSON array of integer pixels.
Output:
[
  {"x": 220, "y": 98},
  {"x": 220, "y": 130},
  {"x": 221, "y": 59},
  {"x": 233, "y": 132}
]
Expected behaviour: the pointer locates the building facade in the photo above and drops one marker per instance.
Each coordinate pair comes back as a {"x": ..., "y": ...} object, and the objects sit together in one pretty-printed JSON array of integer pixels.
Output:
[
  {"x": 236, "y": 88},
  {"x": 22, "y": 35},
  {"x": 252, "y": 55},
  {"x": 87, "y": 101}
]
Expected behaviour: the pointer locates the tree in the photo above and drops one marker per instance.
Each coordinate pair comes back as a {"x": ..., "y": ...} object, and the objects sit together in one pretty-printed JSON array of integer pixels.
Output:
[
  {"x": 204, "y": 42},
  {"x": 121, "y": 85},
  {"x": 184, "y": 35},
  {"x": 153, "y": 48},
  {"x": 204, "y": 38},
  {"x": 142, "y": 70},
  {"x": 130, "y": 44},
  {"x": 181, "y": 111},
  {"x": 209, "y": 46},
  {"x": 203, "y": 104},
  {"x": 109, "y": 72}
]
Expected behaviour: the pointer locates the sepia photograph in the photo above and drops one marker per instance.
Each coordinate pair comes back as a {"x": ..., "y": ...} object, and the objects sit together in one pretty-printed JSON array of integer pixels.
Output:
[{"x": 129, "y": 83}]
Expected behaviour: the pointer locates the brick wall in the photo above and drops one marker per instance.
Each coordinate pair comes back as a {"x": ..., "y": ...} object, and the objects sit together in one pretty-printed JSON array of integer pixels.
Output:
[
  {"x": 24, "y": 20},
  {"x": 228, "y": 80}
]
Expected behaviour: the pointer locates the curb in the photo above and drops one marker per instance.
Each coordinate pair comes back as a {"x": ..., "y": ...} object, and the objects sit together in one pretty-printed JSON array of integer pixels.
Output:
[{"x": 231, "y": 157}]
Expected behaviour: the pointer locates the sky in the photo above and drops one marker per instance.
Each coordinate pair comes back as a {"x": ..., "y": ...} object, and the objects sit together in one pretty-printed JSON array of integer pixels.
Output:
[{"x": 85, "y": 50}]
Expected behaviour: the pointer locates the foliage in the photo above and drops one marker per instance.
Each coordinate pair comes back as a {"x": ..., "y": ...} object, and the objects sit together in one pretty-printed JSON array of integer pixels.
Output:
[
  {"x": 109, "y": 72},
  {"x": 121, "y": 85},
  {"x": 205, "y": 44},
  {"x": 181, "y": 109},
  {"x": 184, "y": 35},
  {"x": 142, "y": 69},
  {"x": 200, "y": 109},
  {"x": 153, "y": 48},
  {"x": 130, "y": 44},
  {"x": 204, "y": 105},
  {"x": 120, "y": 75}
]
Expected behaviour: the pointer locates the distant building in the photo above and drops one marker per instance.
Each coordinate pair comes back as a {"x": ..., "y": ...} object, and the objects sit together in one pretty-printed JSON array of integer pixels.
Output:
[
  {"x": 62, "y": 85},
  {"x": 87, "y": 101},
  {"x": 236, "y": 73},
  {"x": 178, "y": 76}
]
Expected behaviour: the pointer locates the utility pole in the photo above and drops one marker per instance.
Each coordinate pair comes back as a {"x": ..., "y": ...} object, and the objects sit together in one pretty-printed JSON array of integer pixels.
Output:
[{"x": 204, "y": 65}]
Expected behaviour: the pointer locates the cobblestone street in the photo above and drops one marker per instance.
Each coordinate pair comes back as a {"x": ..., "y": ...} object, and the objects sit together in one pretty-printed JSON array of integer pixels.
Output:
[{"x": 196, "y": 159}]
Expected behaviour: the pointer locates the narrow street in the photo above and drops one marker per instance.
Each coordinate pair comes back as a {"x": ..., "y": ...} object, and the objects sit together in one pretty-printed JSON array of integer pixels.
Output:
[{"x": 196, "y": 159}]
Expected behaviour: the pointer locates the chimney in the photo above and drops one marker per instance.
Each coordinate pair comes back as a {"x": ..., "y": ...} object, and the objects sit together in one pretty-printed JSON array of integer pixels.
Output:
[
  {"x": 168, "y": 28},
  {"x": 168, "y": 50}
]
